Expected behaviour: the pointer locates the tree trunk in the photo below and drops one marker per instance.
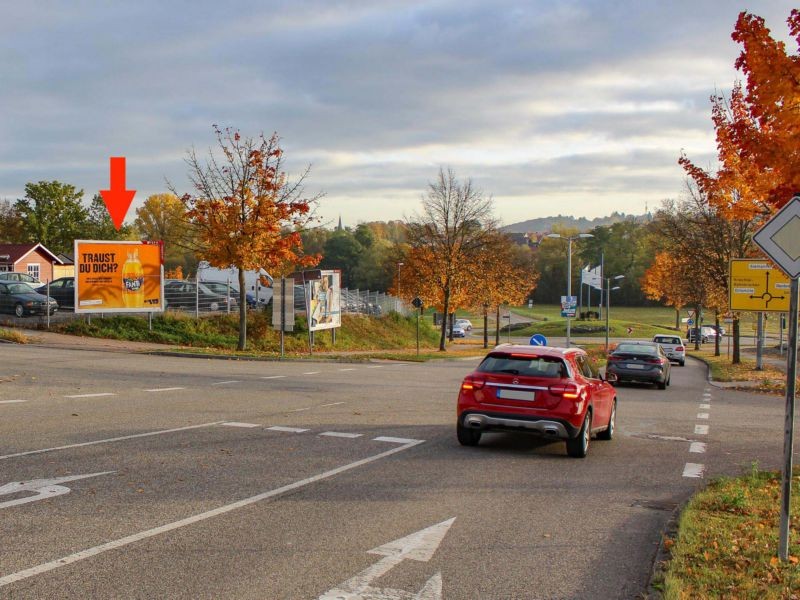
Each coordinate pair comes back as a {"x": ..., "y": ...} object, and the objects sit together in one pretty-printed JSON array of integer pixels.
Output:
[
  {"x": 497, "y": 328},
  {"x": 737, "y": 358},
  {"x": 697, "y": 308},
  {"x": 452, "y": 318},
  {"x": 717, "y": 338},
  {"x": 445, "y": 312},
  {"x": 242, "y": 311},
  {"x": 485, "y": 327},
  {"x": 677, "y": 318}
]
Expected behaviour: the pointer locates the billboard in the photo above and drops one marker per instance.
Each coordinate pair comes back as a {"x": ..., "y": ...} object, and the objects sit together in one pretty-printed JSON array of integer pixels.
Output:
[
  {"x": 118, "y": 276},
  {"x": 325, "y": 300}
]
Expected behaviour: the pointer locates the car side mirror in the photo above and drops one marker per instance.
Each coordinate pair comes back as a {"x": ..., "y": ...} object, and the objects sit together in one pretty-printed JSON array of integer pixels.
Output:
[{"x": 611, "y": 377}]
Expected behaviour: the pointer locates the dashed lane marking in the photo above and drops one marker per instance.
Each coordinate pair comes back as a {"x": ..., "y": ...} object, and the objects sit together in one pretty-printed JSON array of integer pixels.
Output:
[
  {"x": 273, "y": 377},
  {"x": 331, "y": 404},
  {"x": 702, "y": 415},
  {"x": 109, "y": 440},
  {"x": 12, "y": 401},
  {"x": 701, "y": 429},
  {"x": 136, "y": 537},
  {"x": 705, "y": 406},
  {"x": 172, "y": 389},
  {"x": 287, "y": 429},
  {"x": 338, "y": 434},
  {"x": 311, "y": 373},
  {"x": 100, "y": 395},
  {"x": 376, "y": 367},
  {"x": 697, "y": 447},
  {"x": 237, "y": 424},
  {"x": 226, "y": 382},
  {"x": 396, "y": 440},
  {"x": 693, "y": 470},
  {"x": 347, "y": 369}
]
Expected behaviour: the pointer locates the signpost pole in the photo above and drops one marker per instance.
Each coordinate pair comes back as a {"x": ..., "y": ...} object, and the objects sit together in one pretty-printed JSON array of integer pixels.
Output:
[
  {"x": 419, "y": 311},
  {"x": 788, "y": 440},
  {"x": 283, "y": 310},
  {"x": 760, "y": 342}
]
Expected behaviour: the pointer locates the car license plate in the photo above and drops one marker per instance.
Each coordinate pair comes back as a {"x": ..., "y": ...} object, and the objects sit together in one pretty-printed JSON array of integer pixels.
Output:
[
  {"x": 516, "y": 395},
  {"x": 632, "y": 366}
]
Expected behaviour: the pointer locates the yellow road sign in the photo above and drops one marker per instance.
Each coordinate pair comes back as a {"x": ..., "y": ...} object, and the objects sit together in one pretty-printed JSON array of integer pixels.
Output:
[{"x": 757, "y": 285}]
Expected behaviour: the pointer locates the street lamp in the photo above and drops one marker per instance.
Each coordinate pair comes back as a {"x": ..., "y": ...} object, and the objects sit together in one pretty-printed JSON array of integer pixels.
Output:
[
  {"x": 608, "y": 300},
  {"x": 397, "y": 300},
  {"x": 558, "y": 236}
]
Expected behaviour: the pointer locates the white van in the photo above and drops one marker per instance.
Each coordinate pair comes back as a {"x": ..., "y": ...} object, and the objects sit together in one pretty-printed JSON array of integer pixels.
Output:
[{"x": 258, "y": 283}]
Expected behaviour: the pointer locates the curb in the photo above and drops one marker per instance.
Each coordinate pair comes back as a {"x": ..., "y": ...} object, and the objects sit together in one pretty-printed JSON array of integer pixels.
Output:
[{"x": 662, "y": 555}]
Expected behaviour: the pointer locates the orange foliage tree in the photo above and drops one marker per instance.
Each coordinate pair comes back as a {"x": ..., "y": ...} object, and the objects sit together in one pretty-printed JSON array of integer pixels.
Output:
[
  {"x": 666, "y": 280},
  {"x": 245, "y": 212}
]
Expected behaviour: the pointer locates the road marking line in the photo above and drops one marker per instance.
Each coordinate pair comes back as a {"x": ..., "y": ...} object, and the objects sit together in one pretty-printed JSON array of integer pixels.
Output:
[
  {"x": 697, "y": 447},
  {"x": 273, "y": 377},
  {"x": 12, "y": 401},
  {"x": 287, "y": 429},
  {"x": 396, "y": 440},
  {"x": 470, "y": 358},
  {"x": 121, "y": 542},
  {"x": 702, "y": 415},
  {"x": 347, "y": 369},
  {"x": 341, "y": 435},
  {"x": 226, "y": 382},
  {"x": 300, "y": 409},
  {"x": 707, "y": 395},
  {"x": 705, "y": 406},
  {"x": 109, "y": 440},
  {"x": 331, "y": 404},
  {"x": 376, "y": 367},
  {"x": 42, "y": 489},
  {"x": 237, "y": 424},
  {"x": 693, "y": 470},
  {"x": 312, "y": 373},
  {"x": 166, "y": 389},
  {"x": 91, "y": 395},
  {"x": 701, "y": 429}
]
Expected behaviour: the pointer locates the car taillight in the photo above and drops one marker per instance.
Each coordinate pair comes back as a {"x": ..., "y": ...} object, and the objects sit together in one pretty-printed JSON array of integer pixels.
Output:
[
  {"x": 612, "y": 358},
  {"x": 568, "y": 390},
  {"x": 653, "y": 361},
  {"x": 680, "y": 349},
  {"x": 472, "y": 383}
]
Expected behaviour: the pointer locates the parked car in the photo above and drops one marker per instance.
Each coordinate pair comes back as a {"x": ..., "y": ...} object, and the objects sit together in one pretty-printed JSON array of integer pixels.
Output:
[
  {"x": 184, "y": 294},
  {"x": 14, "y": 276},
  {"x": 466, "y": 324},
  {"x": 707, "y": 334},
  {"x": 222, "y": 288},
  {"x": 640, "y": 362},
  {"x": 21, "y": 299},
  {"x": 62, "y": 289},
  {"x": 673, "y": 347},
  {"x": 555, "y": 393},
  {"x": 458, "y": 331}
]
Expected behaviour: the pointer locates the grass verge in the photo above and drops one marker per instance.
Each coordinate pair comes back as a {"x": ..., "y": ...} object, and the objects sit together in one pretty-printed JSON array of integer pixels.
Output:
[
  {"x": 770, "y": 379},
  {"x": 727, "y": 542},
  {"x": 11, "y": 335}
]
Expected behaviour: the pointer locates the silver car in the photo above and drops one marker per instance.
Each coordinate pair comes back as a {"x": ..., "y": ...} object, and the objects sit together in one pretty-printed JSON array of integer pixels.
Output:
[{"x": 673, "y": 347}]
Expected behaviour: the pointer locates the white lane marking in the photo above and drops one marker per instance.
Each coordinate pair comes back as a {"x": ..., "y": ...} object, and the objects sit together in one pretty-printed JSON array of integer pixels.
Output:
[
  {"x": 331, "y": 404},
  {"x": 376, "y": 367},
  {"x": 347, "y": 369},
  {"x": 395, "y": 440},
  {"x": 470, "y": 357},
  {"x": 705, "y": 406},
  {"x": 119, "y": 543},
  {"x": 697, "y": 447},
  {"x": 702, "y": 415},
  {"x": 43, "y": 488},
  {"x": 226, "y": 382},
  {"x": 693, "y": 470},
  {"x": 341, "y": 435},
  {"x": 237, "y": 424},
  {"x": 707, "y": 395},
  {"x": 419, "y": 546},
  {"x": 287, "y": 429},
  {"x": 300, "y": 409},
  {"x": 311, "y": 373},
  {"x": 91, "y": 395},
  {"x": 273, "y": 377},
  {"x": 172, "y": 389},
  {"x": 109, "y": 440},
  {"x": 701, "y": 429},
  {"x": 12, "y": 401}
]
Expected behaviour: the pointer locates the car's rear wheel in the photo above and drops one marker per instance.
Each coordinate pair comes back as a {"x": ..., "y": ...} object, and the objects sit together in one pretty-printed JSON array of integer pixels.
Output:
[
  {"x": 467, "y": 436},
  {"x": 662, "y": 385},
  {"x": 578, "y": 446},
  {"x": 682, "y": 363},
  {"x": 19, "y": 310},
  {"x": 608, "y": 433}
]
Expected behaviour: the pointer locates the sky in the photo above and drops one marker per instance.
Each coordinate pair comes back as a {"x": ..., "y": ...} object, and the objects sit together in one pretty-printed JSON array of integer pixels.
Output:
[{"x": 551, "y": 107}]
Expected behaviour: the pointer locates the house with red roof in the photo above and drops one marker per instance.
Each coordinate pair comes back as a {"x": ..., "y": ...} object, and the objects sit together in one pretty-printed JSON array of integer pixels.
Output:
[{"x": 33, "y": 259}]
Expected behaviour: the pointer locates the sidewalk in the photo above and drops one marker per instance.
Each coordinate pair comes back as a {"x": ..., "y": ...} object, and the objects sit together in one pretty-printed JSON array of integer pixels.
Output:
[{"x": 50, "y": 339}]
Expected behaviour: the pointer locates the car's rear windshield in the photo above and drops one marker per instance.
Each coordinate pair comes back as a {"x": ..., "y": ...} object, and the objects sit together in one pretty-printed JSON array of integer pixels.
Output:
[
  {"x": 637, "y": 349},
  {"x": 527, "y": 366},
  {"x": 667, "y": 340}
]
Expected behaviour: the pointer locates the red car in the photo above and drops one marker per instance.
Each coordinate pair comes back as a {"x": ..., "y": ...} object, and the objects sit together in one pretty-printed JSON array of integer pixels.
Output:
[{"x": 553, "y": 392}]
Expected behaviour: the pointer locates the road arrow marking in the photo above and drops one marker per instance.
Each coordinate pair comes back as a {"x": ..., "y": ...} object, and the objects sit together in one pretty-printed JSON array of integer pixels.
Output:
[
  {"x": 419, "y": 546},
  {"x": 41, "y": 488},
  {"x": 118, "y": 199}
]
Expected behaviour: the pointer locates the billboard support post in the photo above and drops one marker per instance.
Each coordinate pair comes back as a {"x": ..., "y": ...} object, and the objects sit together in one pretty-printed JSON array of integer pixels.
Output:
[
  {"x": 47, "y": 308},
  {"x": 283, "y": 311}
]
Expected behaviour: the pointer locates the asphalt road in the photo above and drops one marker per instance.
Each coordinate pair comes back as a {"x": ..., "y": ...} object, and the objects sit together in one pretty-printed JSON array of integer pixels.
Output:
[{"x": 131, "y": 476}]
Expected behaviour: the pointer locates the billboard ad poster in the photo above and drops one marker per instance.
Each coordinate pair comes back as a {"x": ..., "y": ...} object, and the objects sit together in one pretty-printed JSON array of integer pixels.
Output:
[
  {"x": 118, "y": 276},
  {"x": 325, "y": 301}
]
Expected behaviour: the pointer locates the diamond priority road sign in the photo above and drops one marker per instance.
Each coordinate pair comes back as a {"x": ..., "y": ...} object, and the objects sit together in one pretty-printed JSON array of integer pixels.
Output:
[{"x": 780, "y": 238}]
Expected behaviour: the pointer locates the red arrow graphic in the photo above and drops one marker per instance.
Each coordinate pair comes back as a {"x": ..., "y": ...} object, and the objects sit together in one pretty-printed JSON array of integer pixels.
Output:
[{"x": 118, "y": 199}]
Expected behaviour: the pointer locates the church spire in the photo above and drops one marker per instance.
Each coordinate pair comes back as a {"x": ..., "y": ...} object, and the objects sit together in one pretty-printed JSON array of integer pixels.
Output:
[{"x": 339, "y": 227}]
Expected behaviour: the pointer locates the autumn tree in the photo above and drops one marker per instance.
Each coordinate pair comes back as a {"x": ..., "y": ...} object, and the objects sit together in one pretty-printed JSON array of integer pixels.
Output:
[
  {"x": 245, "y": 212},
  {"x": 163, "y": 217},
  {"x": 668, "y": 280},
  {"x": 446, "y": 238}
]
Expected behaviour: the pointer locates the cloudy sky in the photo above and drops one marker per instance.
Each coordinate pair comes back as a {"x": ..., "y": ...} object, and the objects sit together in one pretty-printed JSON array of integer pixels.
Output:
[{"x": 551, "y": 107}]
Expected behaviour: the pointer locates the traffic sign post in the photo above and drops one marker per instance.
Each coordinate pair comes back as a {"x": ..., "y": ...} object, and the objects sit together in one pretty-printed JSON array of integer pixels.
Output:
[{"x": 779, "y": 238}]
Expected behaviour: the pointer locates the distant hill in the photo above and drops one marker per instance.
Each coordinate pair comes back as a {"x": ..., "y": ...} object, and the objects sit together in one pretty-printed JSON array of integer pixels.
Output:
[{"x": 581, "y": 224}]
